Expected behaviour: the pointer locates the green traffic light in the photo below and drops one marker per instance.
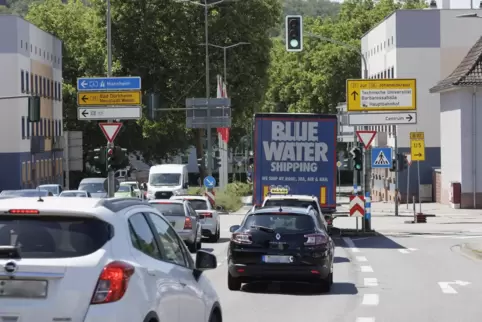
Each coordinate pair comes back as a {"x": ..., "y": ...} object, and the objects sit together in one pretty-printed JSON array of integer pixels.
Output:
[
  {"x": 357, "y": 166},
  {"x": 294, "y": 43}
]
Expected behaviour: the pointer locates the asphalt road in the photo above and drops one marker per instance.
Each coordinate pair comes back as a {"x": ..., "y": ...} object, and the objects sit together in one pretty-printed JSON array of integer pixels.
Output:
[{"x": 393, "y": 278}]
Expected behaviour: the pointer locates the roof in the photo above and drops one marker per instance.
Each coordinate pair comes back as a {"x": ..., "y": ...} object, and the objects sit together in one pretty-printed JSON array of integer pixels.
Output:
[
  {"x": 294, "y": 210},
  {"x": 467, "y": 73}
]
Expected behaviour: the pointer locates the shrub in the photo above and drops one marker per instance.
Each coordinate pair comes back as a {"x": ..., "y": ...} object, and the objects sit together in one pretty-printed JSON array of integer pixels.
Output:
[{"x": 230, "y": 197}]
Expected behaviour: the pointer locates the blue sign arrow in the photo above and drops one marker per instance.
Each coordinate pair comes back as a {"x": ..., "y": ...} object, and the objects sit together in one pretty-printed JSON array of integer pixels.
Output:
[
  {"x": 209, "y": 182},
  {"x": 382, "y": 158},
  {"x": 108, "y": 83}
]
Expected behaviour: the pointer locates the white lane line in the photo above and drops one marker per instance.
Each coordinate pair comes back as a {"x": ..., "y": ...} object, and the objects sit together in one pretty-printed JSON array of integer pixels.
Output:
[
  {"x": 404, "y": 251},
  {"x": 370, "y": 299},
  {"x": 365, "y": 319},
  {"x": 446, "y": 288},
  {"x": 351, "y": 244},
  {"x": 370, "y": 282},
  {"x": 366, "y": 269},
  {"x": 361, "y": 259}
]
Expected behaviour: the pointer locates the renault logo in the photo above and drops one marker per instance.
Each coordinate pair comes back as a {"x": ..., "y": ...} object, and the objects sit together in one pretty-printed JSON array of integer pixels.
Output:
[
  {"x": 278, "y": 236},
  {"x": 10, "y": 267}
]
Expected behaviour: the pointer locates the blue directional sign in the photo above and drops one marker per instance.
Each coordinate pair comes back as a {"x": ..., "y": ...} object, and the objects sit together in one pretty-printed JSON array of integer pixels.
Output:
[
  {"x": 209, "y": 182},
  {"x": 382, "y": 158},
  {"x": 108, "y": 84}
]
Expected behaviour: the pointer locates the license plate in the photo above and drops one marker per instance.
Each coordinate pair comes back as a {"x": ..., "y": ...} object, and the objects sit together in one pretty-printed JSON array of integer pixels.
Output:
[
  {"x": 23, "y": 288},
  {"x": 277, "y": 259}
]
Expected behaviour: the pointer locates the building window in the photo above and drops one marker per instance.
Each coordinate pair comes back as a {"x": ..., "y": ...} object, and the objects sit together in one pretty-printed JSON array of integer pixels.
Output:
[
  {"x": 45, "y": 87},
  {"x": 384, "y": 74},
  {"x": 49, "y": 128},
  {"x": 22, "y": 81},
  {"x": 28, "y": 128},
  {"x": 51, "y": 89},
  {"x": 37, "y": 128},
  {"x": 27, "y": 82},
  {"x": 40, "y": 85},
  {"x": 36, "y": 84},
  {"x": 23, "y": 127},
  {"x": 393, "y": 72},
  {"x": 60, "y": 91},
  {"x": 45, "y": 127},
  {"x": 41, "y": 127}
]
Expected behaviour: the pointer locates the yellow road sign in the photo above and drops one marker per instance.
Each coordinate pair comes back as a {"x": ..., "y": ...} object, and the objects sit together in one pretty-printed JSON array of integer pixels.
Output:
[
  {"x": 417, "y": 146},
  {"x": 108, "y": 98},
  {"x": 381, "y": 95}
]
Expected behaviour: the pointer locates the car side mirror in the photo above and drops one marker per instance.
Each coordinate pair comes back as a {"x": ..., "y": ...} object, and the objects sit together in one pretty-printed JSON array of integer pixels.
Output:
[
  {"x": 185, "y": 186},
  {"x": 205, "y": 261},
  {"x": 234, "y": 228}
]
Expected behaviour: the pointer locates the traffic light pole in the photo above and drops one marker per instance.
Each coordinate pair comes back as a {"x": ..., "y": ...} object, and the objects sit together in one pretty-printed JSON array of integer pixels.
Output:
[
  {"x": 396, "y": 172},
  {"x": 110, "y": 145}
]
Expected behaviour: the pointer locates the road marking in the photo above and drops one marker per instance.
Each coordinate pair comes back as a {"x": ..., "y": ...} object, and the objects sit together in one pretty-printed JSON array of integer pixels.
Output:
[
  {"x": 412, "y": 249},
  {"x": 370, "y": 282},
  {"x": 361, "y": 259},
  {"x": 351, "y": 244},
  {"x": 446, "y": 288},
  {"x": 366, "y": 269},
  {"x": 404, "y": 251},
  {"x": 370, "y": 299},
  {"x": 365, "y": 319}
]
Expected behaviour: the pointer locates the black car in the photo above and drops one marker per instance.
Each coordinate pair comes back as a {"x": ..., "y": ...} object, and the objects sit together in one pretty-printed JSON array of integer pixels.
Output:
[{"x": 280, "y": 244}]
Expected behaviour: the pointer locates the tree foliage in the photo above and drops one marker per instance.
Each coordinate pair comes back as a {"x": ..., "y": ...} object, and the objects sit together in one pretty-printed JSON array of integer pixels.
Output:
[{"x": 314, "y": 80}]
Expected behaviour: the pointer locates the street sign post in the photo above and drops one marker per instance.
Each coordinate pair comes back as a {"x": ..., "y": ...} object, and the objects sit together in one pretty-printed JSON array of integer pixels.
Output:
[
  {"x": 382, "y": 158},
  {"x": 110, "y": 130},
  {"x": 381, "y": 95},
  {"x": 108, "y": 98},
  {"x": 108, "y": 83},
  {"x": 109, "y": 113},
  {"x": 382, "y": 118},
  {"x": 366, "y": 137},
  {"x": 209, "y": 182},
  {"x": 417, "y": 146}
]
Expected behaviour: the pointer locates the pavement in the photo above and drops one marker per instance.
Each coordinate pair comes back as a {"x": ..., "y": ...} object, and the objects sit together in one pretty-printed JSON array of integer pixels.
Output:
[{"x": 410, "y": 272}]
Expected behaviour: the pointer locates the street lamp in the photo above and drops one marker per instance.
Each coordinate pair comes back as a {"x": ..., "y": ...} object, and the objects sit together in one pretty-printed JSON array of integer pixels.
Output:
[
  {"x": 225, "y": 48},
  {"x": 206, "y": 6}
]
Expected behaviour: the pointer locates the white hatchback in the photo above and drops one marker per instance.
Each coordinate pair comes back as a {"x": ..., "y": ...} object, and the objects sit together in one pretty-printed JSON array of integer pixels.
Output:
[
  {"x": 91, "y": 260},
  {"x": 209, "y": 217}
]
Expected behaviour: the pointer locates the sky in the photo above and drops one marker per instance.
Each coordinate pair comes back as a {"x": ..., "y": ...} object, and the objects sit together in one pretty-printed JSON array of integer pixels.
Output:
[{"x": 454, "y": 4}]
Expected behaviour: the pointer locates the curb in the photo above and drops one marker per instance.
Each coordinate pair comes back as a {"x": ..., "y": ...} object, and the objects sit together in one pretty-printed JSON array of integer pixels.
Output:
[
  {"x": 471, "y": 251},
  {"x": 353, "y": 232}
]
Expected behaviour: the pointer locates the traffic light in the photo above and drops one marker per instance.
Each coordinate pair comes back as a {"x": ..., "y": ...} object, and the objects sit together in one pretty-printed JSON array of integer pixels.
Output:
[
  {"x": 357, "y": 157},
  {"x": 294, "y": 33},
  {"x": 216, "y": 160},
  {"x": 402, "y": 162},
  {"x": 202, "y": 162},
  {"x": 394, "y": 167},
  {"x": 34, "y": 109},
  {"x": 99, "y": 156},
  {"x": 110, "y": 159},
  {"x": 153, "y": 103},
  {"x": 122, "y": 161}
]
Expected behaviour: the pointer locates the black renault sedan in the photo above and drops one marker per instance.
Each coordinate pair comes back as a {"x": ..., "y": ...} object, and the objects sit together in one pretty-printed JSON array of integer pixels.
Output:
[{"x": 280, "y": 244}]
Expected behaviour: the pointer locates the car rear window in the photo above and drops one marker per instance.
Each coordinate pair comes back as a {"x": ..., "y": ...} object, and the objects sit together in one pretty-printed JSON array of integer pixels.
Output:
[
  {"x": 290, "y": 203},
  {"x": 54, "y": 236},
  {"x": 281, "y": 222},
  {"x": 170, "y": 209},
  {"x": 198, "y": 204}
]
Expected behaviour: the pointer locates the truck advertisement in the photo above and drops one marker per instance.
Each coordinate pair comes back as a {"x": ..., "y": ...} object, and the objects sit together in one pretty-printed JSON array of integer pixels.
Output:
[{"x": 295, "y": 153}]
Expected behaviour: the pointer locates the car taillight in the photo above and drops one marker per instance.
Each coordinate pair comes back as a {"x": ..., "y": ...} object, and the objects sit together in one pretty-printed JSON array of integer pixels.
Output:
[
  {"x": 112, "y": 283},
  {"x": 24, "y": 211},
  {"x": 188, "y": 223},
  {"x": 206, "y": 215},
  {"x": 241, "y": 238},
  {"x": 315, "y": 239}
]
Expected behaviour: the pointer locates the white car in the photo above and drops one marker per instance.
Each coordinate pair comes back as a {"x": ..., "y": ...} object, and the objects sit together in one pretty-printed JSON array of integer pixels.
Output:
[
  {"x": 135, "y": 186},
  {"x": 210, "y": 219},
  {"x": 93, "y": 260},
  {"x": 302, "y": 201},
  {"x": 75, "y": 193}
]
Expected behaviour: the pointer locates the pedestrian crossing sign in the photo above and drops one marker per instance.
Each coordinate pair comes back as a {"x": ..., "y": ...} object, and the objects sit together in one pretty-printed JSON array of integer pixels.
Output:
[{"x": 382, "y": 158}]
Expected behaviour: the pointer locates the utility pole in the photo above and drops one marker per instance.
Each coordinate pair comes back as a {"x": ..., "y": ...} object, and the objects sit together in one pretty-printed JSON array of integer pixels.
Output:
[{"x": 110, "y": 173}]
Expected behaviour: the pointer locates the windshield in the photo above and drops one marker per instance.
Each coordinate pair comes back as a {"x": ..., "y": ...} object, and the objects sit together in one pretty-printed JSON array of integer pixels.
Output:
[
  {"x": 170, "y": 209},
  {"x": 92, "y": 187},
  {"x": 124, "y": 189},
  {"x": 9, "y": 193},
  {"x": 54, "y": 236},
  {"x": 31, "y": 193},
  {"x": 281, "y": 222},
  {"x": 290, "y": 203},
  {"x": 52, "y": 189},
  {"x": 165, "y": 179},
  {"x": 73, "y": 194},
  {"x": 133, "y": 185},
  {"x": 198, "y": 204}
]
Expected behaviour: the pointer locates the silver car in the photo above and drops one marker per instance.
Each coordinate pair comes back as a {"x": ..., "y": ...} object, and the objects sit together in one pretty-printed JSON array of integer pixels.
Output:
[{"x": 183, "y": 219}]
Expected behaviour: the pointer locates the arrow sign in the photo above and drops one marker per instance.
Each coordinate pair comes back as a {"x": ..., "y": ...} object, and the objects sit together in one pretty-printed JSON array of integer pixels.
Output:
[
  {"x": 85, "y": 99},
  {"x": 85, "y": 113},
  {"x": 110, "y": 130},
  {"x": 409, "y": 117},
  {"x": 84, "y": 84},
  {"x": 382, "y": 118},
  {"x": 357, "y": 206},
  {"x": 366, "y": 137},
  {"x": 354, "y": 94},
  {"x": 418, "y": 154},
  {"x": 447, "y": 289}
]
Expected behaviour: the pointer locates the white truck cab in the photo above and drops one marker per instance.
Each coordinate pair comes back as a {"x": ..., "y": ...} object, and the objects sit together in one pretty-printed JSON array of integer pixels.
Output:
[{"x": 167, "y": 180}]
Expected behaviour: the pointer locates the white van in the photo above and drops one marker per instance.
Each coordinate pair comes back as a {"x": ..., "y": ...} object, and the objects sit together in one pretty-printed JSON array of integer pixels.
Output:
[{"x": 166, "y": 180}]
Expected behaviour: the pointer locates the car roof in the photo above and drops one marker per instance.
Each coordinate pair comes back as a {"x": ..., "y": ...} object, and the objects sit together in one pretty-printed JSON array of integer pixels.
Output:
[
  {"x": 128, "y": 182},
  {"x": 49, "y": 185},
  {"x": 177, "y": 201},
  {"x": 74, "y": 191},
  {"x": 92, "y": 180},
  {"x": 190, "y": 197},
  {"x": 293, "y": 210},
  {"x": 298, "y": 197},
  {"x": 87, "y": 206}
]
